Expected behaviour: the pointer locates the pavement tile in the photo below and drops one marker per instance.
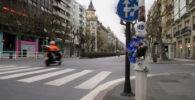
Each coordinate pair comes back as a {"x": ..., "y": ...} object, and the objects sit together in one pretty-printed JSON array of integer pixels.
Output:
[{"x": 177, "y": 86}]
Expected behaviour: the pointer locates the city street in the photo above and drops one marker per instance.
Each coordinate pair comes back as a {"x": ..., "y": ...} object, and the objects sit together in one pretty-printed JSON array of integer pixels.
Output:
[{"x": 29, "y": 79}]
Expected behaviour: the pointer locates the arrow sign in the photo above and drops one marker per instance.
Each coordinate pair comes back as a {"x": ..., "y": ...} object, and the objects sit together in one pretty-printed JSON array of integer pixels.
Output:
[{"x": 128, "y": 10}]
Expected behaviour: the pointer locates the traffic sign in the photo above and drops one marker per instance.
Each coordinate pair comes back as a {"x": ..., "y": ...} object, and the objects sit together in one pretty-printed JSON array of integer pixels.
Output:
[
  {"x": 128, "y": 10},
  {"x": 140, "y": 29}
]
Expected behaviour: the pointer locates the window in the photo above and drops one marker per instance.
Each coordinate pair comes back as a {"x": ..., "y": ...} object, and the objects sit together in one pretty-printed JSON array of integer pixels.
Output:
[
  {"x": 182, "y": 6},
  {"x": 179, "y": 27},
  {"x": 176, "y": 9},
  {"x": 187, "y": 23},
  {"x": 174, "y": 29}
]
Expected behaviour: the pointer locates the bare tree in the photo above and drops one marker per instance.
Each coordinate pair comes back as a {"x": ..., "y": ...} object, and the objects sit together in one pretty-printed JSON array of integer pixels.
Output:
[{"x": 154, "y": 26}]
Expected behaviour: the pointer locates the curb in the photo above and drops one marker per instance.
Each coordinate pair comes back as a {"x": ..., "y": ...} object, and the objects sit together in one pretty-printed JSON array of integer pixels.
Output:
[{"x": 99, "y": 92}]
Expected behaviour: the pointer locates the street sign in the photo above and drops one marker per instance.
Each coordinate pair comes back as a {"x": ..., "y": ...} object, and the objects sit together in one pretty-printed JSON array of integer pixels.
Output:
[
  {"x": 140, "y": 29},
  {"x": 128, "y": 10}
]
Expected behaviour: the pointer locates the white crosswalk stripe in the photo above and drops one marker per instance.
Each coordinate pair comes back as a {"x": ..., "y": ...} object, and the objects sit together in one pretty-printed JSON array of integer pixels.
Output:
[
  {"x": 20, "y": 70},
  {"x": 10, "y": 66},
  {"x": 64, "y": 80},
  {"x": 94, "y": 81},
  {"x": 13, "y": 68},
  {"x": 27, "y": 73},
  {"x": 45, "y": 76}
]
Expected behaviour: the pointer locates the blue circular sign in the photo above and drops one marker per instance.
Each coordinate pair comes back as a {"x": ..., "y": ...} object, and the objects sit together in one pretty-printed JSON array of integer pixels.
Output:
[{"x": 128, "y": 10}]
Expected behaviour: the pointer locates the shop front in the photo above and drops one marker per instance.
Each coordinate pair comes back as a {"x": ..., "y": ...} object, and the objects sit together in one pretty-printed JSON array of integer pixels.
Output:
[
  {"x": 193, "y": 48},
  {"x": 27, "y": 46},
  {"x": 187, "y": 48},
  {"x": 179, "y": 49},
  {"x": 8, "y": 45}
]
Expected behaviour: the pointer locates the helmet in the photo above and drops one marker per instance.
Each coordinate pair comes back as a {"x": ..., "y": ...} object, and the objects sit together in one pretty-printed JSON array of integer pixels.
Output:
[{"x": 52, "y": 43}]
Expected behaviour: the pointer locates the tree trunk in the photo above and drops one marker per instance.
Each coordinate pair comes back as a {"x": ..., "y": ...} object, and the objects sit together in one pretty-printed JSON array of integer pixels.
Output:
[{"x": 163, "y": 55}]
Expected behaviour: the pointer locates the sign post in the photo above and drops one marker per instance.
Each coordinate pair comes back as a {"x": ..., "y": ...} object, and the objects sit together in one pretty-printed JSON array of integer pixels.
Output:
[
  {"x": 141, "y": 69},
  {"x": 128, "y": 12}
]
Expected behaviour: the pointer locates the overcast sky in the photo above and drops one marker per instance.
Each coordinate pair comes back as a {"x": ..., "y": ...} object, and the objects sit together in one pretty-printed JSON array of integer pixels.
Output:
[{"x": 106, "y": 12}]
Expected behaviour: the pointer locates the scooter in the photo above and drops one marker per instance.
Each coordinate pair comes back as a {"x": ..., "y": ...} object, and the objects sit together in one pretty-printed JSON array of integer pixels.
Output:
[{"x": 53, "y": 58}]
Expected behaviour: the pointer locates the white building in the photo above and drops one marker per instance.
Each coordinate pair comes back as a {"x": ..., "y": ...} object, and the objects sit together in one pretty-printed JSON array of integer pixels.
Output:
[
  {"x": 63, "y": 10},
  {"x": 183, "y": 29},
  {"x": 63, "y": 13},
  {"x": 78, "y": 26},
  {"x": 92, "y": 26}
]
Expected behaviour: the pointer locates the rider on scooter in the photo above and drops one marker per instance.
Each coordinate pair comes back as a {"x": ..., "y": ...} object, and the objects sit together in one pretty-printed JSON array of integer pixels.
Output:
[
  {"x": 53, "y": 48},
  {"x": 53, "y": 54}
]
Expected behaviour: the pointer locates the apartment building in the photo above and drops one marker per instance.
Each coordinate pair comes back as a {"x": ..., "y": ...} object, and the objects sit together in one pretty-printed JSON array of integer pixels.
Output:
[{"x": 183, "y": 29}]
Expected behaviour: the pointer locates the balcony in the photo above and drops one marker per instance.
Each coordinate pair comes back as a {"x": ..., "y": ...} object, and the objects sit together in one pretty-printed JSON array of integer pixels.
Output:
[
  {"x": 68, "y": 2},
  {"x": 57, "y": 13},
  {"x": 177, "y": 33},
  {"x": 59, "y": 5},
  {"x": 62, "y": 7},
  {"x": 191, "y": 5},
  {"x": 186, "y": 30},
  {"x": 191, "y": 1}
]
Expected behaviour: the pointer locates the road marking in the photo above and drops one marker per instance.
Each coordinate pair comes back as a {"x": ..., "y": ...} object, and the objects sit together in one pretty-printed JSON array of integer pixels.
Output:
[
  {"x": 96, "y": 91},
  {"x": 44, "y": 76},
  {"x": 5, "y": 66},
  {"x": 20, "y": 70},
  {"x": 26, "y": 73},
  {"x": 14, "y": 68},
  {"x": 64, "y": 80},
  {"x": 94, "y": 81}
]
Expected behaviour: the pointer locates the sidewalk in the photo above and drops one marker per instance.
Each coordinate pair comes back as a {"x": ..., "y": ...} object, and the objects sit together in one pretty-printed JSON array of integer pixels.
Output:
[
  {"x": 173, "y": 61},
  {"x": 179, "y": 59},
  {"x": 176, "y": 86}
]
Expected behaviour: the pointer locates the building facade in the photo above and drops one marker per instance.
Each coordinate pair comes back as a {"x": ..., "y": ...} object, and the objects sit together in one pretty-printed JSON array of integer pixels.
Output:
[
  {"x": 177, "y": 25},
  {"x": 26, "y": 25},
  {"x": 22, "y": 32},
  {"x": 63, "y": 15},
  {"x": 91, "y": 29},
  {"x": 183, "y": 29},
  {"x": 79, "y": 26},
  {"x": 112, "y": 41},
  {"x": 102, "y": 34}
]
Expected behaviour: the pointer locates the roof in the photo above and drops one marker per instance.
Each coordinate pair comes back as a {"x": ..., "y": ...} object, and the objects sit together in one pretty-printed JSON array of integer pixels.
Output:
[{"x": 91, "y": 7}]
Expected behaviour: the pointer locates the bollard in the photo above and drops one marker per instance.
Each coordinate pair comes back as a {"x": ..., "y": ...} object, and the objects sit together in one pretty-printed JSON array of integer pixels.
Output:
[{"x": 140, "y": 80}]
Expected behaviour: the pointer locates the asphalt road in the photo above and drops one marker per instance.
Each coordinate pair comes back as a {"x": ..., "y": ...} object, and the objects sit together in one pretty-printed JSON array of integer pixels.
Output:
[{"x": 29, "y": 79}]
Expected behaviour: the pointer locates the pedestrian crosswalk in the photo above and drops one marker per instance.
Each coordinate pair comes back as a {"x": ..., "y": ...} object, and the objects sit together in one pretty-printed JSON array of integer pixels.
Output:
[
  {"x": 45, "y": 76},
  {"x": 2, "y": 67},
  {"x": 13, "y": 68},
  {"x": 91, "y": 83},
  {"x": 49, "y": 76},
  {"x": 64, "y": 80}
]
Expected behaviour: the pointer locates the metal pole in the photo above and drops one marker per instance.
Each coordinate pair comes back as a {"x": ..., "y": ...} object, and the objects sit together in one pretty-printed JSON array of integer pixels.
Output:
[{"x": 127, "y": 85}]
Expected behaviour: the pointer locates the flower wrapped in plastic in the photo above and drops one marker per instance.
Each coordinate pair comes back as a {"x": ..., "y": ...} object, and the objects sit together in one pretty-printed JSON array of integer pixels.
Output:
[{"x": 133, "y": 46}]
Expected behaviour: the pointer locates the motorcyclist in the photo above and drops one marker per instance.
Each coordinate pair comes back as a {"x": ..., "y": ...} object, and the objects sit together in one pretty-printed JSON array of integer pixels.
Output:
[{"x": 53, "y": 48}]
